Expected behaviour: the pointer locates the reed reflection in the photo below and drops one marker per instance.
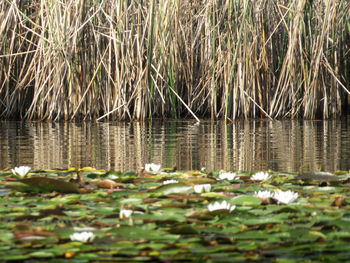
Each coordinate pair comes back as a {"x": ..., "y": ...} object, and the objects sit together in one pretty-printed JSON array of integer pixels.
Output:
[{"x": 244, "y": 145}]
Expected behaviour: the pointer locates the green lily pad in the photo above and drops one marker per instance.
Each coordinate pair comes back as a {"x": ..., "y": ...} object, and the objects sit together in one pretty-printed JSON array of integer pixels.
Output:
[
  {"x": 42, "y": 254},
  {"x": 138, "y": 232},
  {"x": 171, "y": 222},
  {"x": 183, "y": 230},
  {"x": 176, "y": 188},
  {"x": 162, "y": 217},
  {"x": 280, "y": 218},
  {"x": 246, "y": 200}
]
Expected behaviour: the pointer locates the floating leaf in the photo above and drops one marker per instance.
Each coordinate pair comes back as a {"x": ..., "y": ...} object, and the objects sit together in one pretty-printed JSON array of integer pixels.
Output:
[
  {"x": 58, "y": 211},
  {"x": 280, "y": 218},
  {"x": 90, "y": 169},
  {"x": 171, "y": 222},
  {"x": 44, "y": 184},
  {"x": 318, "y": 176},
  {"x": 183, "y": 229},
  {"x": 252, "y": 235},
  {"x": 247, "y": 200},
  {"x": 41, "y": 254},
  {"x": 18, "y": 186},
  {"x": 195, "y": 181},
  {"x": 137, "y": 232},
  {"x": 106, "y": 183},
  {"x": 161, "y": 217},
  {"x": 32, "y": 234},
  {"x": 176, "y": 188}
]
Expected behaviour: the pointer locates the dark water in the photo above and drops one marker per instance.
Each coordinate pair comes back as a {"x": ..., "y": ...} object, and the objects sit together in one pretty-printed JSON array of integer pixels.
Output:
[{"x": 244, "y": 145}]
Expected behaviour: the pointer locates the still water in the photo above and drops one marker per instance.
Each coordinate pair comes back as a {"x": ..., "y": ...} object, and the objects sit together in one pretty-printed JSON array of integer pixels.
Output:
[{"x": 286, "y": 145}]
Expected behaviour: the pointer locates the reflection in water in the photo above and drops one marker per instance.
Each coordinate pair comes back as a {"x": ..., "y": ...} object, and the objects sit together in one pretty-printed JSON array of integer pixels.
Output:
[{"x": 245, "y": 145}]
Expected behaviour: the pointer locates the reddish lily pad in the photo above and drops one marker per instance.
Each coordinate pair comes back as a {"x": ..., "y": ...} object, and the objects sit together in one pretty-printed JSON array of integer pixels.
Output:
[{"x": 43, "y": 184}]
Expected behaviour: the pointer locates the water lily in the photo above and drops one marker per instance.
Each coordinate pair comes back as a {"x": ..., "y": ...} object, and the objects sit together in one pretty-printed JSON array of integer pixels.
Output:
[
  {"x": 260, "y": 176},
  {"x": 202, "y": 188},
  {"x": 82, "y": 237},
  {"x": 224, "y": 205},
  {"x": 113, "y": 177},
  {"x": 151, "y": 167},
  {"x": 125, "y": 213},
  {"x": 170, "y": 182},
  {"x": 21, "y": 171},
  {"x": 285, "y": 197},
  {"x": 228, "y": 176},
  {"x": 264, "y": 194}
]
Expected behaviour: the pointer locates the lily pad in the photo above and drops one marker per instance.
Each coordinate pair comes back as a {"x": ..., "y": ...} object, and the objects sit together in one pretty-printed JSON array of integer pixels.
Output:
[
  {"x": 171, "y": 222},
  {"x": 318, "y": 176},
  {"x": 176, "y": 188},
  {"x": 247, "y": 200},
  {"x": 43, "y": 185}
]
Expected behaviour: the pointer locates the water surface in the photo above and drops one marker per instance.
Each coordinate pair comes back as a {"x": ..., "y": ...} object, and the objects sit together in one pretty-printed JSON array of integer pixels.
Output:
[{"x": 243, "y": 145}]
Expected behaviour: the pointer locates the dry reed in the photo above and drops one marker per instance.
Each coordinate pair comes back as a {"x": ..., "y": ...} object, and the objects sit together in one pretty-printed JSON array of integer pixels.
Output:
[{"x": 137, "y": 59}]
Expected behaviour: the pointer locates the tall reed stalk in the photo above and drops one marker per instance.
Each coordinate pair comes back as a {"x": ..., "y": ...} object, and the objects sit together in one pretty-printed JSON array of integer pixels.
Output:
[{"x": 138, "y": 59}]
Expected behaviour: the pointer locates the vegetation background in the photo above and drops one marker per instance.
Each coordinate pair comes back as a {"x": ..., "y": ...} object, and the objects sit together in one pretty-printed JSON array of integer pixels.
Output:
[{"x": 137, "y": 59}]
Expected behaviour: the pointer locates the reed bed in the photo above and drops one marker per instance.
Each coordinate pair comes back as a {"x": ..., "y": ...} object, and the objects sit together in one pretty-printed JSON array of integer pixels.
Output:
[{"x": 137, "y": 59}]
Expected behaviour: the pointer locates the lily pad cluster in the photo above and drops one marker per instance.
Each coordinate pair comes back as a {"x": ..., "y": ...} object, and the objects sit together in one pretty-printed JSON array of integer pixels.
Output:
[{"x": 155, "y": 214}]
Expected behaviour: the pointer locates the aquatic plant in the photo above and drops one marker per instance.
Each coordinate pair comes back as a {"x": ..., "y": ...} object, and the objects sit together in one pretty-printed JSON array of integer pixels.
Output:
[
  {"x": 264, "y": 194},
  {"x": 125, "y": 213},
  {"x": 224, "y": 205},
  {"x": 202, "y": 188},
  {"x": 285, "y": 197},
  {"x": 21, "y": 171},
  {"x": 152, "y": 168},
  {"x": 170, "y": 182},
  {"x": 141, "y": 219},
  {"x": 82, "y": 237},
  {"x": 260, "y": 176},
  {"x": 228, "y": 176},
  {"x": 141, "y": 59},
  {"x": 113, "y": 177}
]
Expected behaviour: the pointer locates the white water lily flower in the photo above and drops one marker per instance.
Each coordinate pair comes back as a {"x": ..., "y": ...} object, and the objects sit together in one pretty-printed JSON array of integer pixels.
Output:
[
  {"x": 202, "y": 188},
  {"x": 220, "y": 206},
  {"x": 21, "y": 171},
  {"x": 260, "y": 176},
  {"x": 228, "y": 176},
  {"x": 285, "y": 197},
  {"x": 170, "y": 182},
  {"x": 113, "y": 177},
  {"x": 82, "y": 237},
  {"x": 125, "y": 213},
  {"x": 151, "y": 167},
  {"x": 264, "y": 194}
]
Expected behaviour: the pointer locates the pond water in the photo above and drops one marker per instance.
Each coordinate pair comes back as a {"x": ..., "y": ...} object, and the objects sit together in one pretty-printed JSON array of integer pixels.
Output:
[{"x": 287, "y": 145}]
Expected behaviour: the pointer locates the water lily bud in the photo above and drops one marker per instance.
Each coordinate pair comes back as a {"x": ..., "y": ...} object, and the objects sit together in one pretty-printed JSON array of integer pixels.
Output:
[{"x": 125, "y": 213}]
